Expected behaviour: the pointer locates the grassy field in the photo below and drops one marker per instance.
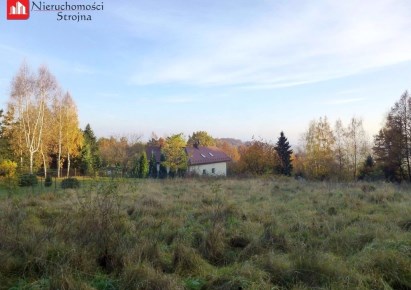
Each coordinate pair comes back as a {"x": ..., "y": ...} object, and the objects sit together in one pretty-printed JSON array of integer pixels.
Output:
[{"x": 208, "y": 234}]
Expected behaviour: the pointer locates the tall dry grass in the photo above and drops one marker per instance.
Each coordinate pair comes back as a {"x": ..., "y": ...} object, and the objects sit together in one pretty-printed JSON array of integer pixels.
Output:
[{"x": 271, "y": 233}]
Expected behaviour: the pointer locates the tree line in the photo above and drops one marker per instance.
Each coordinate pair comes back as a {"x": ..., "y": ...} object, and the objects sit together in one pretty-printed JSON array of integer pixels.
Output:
[
  {"x": 39, "y": 132},
  {"x": 40, "y": 124},
  {"x": 344, "y": 152}
]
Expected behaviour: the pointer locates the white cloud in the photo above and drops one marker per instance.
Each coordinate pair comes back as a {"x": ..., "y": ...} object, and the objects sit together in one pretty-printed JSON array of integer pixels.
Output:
[{"x": 285, "y": 46}]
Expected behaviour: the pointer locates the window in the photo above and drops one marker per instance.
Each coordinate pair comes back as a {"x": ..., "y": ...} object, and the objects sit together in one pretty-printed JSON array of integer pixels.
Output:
[
  {"x": 213, "y": 170},
  {"x": 203, "y": 155},
  {"x": 204, "y": 172}
]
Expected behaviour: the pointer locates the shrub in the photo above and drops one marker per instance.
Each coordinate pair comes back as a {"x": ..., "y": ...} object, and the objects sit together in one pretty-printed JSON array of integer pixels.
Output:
[
  {"x": 28, "y": 180},
  {"x": 70, "y": 183},
  {"x": 8, "y": 168},
  {"x": 48, "y": 181}
]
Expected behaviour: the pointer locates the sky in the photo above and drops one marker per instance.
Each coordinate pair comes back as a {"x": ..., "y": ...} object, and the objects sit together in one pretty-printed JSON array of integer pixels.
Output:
[{"x": 232, "y": 68}]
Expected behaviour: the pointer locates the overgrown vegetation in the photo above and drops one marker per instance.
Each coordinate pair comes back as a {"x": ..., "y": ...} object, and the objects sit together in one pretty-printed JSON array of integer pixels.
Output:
[
  {"x": 70, "y": 183},
  {"x": 208, "y": 234},
  {"x": 48, "y": 181},
  {"x": 28, "y": 180}
]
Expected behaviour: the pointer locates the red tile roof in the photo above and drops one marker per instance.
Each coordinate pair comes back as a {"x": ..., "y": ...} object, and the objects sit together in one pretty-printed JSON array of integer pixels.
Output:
[
  {"x": 206, "y": 155},
  {"x": 196, "y": 155}
]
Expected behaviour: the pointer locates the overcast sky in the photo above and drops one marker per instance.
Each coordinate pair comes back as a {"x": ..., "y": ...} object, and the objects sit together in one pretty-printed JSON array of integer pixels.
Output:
[{"x": 233, "y": 68}]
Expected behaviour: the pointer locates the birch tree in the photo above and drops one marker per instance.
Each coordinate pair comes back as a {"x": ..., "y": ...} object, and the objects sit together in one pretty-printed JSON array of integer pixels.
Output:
[
  {"x": 30, "y": 95},
  {"x": 319, "y": 143},
  {"x": 58, "y": 129},
  {"x": 357, "y": 147},
  {"x": 73, "y": 137},
  {"x": 47, "y": 143},
  {"x": 340, "y": 148}
]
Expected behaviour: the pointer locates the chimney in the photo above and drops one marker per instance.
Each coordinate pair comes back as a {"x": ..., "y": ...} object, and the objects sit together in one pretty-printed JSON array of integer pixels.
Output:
[{"x": 196, "y": 144}]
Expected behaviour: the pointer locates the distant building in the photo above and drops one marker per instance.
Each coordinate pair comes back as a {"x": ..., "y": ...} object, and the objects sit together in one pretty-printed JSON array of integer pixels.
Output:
[
  {"x": 207, "y": 160},
  {"x": 156, "y": 151},
  {"x": 202, "y": 160}
]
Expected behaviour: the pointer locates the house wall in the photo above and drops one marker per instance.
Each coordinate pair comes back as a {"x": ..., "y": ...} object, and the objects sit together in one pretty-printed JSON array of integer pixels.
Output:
[{"x": 219, "y": 169}]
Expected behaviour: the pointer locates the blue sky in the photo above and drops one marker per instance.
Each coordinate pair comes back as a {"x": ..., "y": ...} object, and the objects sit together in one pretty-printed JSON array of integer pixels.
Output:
[{"x": 233, "y": 68}]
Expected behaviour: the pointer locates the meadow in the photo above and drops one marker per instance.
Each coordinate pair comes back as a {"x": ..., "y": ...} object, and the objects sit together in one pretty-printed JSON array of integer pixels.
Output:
[{"x": 267, "y": 233}]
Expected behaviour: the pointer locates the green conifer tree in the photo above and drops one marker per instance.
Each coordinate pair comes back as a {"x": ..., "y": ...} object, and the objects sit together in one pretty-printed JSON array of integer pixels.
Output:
[
  {"x": 135, "y": 167},
  {"x": 284, "y": 152},
  {"x": 163, "y": 169},
  {"x": 152, "y": 167},
  {"x": 143, "y": 166},
  {"x": 90, "y": 156}
]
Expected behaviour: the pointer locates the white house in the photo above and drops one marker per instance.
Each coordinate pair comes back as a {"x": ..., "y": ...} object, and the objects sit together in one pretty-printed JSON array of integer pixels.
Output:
[
  {"x": 207, "y": 160},
  {"x": 202, "y": 160}
]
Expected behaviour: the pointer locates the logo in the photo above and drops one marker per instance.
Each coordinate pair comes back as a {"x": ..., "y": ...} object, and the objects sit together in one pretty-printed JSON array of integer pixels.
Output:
[{"x": 18, "y": 9}]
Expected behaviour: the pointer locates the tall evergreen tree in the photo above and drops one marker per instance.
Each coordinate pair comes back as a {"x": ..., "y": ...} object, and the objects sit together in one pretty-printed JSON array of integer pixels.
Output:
[
  {"x": 284, "y": 152},
  {"x": 90, "y": 157},
  {"x": 367, "y": 171},
  {"x": 5, "y": 150},
  {"x": 163, "y": 170},
  {"x": 86, "y": 160},
  {"x": 152, "y": 167},
  {"x": 388, "y": 149},
  {"x": 143, "y": 166},
  {"x": 135, "y": 167}
]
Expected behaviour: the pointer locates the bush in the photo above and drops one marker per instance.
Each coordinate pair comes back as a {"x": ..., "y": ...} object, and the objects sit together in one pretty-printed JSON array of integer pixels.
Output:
[
  {"x": 70, "y": 183},
  {"x": 8, "y": 168},
  {"x": 28, "y": 180},
  {"x": 48, "y": 181}
]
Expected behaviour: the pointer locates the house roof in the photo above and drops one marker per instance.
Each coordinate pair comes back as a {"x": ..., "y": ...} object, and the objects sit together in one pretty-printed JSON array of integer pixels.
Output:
[
  {"x": 154, "y": 150},
  {"x": 196, "y": 155},
  {"x": 205, "y": 155}
]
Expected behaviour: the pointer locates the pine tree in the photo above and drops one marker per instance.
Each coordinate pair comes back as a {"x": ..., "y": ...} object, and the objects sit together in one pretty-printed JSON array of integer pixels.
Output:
[
  {"x": 86, "y": 160},
  {"x": 143, "y": 166},
  {"x": 163, "y": 170},
  {"x": 367, "y": 171},
  {"x": 284, "y": 153},
  {"x": 152, "y": 167},
  {"x": 90, "y": 157},
  {"x": 135, "y": 167},
  {"x": 5, "y": 149}
]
